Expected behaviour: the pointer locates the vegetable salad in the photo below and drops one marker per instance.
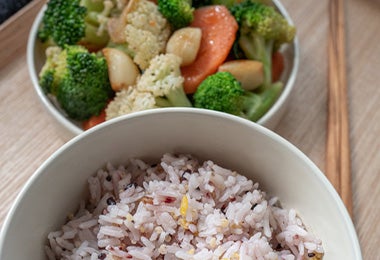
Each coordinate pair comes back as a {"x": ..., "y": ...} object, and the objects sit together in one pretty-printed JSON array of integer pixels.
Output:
[{"x": 106, "y": 58}]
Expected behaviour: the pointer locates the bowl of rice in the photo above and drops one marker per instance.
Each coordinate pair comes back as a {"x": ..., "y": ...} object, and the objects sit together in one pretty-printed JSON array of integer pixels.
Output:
[
  {"x": 178, "y": 183},
  {"x": 68, "y": 126}
]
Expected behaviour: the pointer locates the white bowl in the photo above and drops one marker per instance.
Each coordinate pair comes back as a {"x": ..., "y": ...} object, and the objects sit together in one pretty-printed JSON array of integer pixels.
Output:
[
  {"x": 70, "y": 128},
  {"x": 281, "y": 169}
]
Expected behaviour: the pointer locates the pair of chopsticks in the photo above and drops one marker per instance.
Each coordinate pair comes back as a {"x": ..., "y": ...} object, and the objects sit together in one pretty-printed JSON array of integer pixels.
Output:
[{"x": 338, "y": 166}]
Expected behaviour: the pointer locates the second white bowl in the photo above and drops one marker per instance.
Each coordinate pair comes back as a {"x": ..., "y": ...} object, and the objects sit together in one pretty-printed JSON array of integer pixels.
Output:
[{"x": 282, "y": 170}]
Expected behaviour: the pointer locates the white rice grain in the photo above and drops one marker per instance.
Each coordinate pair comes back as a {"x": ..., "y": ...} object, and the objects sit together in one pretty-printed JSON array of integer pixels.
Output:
[{"x": 179, "y": 209}]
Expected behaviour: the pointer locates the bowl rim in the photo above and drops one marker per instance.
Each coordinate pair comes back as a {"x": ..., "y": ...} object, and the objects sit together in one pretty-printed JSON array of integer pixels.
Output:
[
  {"x": 293, "y": 73},
  {"x": 74, "y": 129},
  {"x": 234, "y": 119},
  {"x": 33, "y": 74}
]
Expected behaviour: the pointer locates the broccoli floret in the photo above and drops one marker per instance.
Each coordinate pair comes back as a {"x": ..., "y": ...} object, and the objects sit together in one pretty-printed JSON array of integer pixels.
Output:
[
  {"x": 164, "y": 80},
  {"x": 222, "y": 92},
  {"x": 79, "y": 80},
  {"x": 84, "y": 88},
  {"x": 230, "y": 3},
  {"x": 261, "y": 31},
  {"x": 227, "y": 3},
  {"x": 69, "y": 22},
  {"x": 48, "y": 78},
  {"x": 179, "y": 13}
]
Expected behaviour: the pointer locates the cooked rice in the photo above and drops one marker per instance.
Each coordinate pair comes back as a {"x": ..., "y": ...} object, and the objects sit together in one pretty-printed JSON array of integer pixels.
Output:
[{"x": 180, "y": 209}]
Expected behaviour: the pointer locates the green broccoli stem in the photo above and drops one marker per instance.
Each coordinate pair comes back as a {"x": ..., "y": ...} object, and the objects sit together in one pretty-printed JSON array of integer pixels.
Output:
[
  {"x": 162, "y": 102},
  {"x": 258, "y": 104},
  {"x": 177, "y": 97},
  {"x": 93, "y": 40},
  {"x": 122, "y": 47},
  {"x": 228, "y": 3},
  {"x": 92, "y": 18},
  {"x": 255, "y": 47},
  {"x": 93, "y": 5}
]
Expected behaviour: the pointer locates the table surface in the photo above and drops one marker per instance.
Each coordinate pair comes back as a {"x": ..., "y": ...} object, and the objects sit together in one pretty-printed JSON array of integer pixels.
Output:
[{"x": 28, "y": 136}]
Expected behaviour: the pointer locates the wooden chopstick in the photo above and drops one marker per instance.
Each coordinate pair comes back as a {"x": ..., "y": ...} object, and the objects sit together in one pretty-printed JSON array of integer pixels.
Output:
[{"x": 338, "y": 166}]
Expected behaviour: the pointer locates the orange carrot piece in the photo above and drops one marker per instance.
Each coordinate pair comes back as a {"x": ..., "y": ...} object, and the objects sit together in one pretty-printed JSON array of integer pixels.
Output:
[
  {"x": 278, "y": 64},
  {"x": 219, "y": 29},
  {"x": 94, "y": 120}
]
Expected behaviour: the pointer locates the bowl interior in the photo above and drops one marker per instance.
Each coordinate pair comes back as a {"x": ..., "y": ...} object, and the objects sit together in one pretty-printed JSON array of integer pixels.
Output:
[
  {"x": 70, "y": 128},
  {"x": 281, "y": 169}
]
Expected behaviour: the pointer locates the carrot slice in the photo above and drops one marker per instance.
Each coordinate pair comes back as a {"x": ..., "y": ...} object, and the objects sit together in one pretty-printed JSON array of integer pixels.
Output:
[
  {"x": 278, "y": 64},
  {"x": 219, "y": 29},
  {"x": 94, "y": 120}
]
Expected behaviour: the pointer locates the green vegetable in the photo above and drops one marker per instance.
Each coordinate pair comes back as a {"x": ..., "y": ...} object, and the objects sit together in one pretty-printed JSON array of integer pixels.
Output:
[
  {"x": 262, "y": 30},
  {"x": 222, "y": 92},
  {"x": 179, "y": 13},
  {"x": 227, "y": 3},
  {"x": 230, "y": 3},
  {"x": 163, "y": 79},
  {"x": 48, "y": 78},
  {"x": 175, "y": 97},
  {"x": 161, "y": 85},
  {"x": 79, "y": 80},
  {"x": 69, "y": 22}
]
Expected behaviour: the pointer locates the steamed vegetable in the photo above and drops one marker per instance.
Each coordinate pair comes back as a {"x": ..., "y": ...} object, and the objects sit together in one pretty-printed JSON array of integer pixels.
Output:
[
  {"x": 261, "y": 31},
  {"x": 278, "y": 65},
  {"x": 48, "y": 79},
  {"x": 218, "y": 35},
  {"x": 230, "y": 3},
  {"x": 94, "y": 120},
  {"x": 106, "y": 58},
  {"x": 141, "y": 30},
  {"x": 122, "y": 71},
  {"x": 146, "y": 31},
  {"x": 249, "y": 73},
  {"x": 79, "y": 80},
  {"x": 160, "y": 86},
  {"x": 222, "y": 92},
  {"x": 69, "y": 22},
  {"x": 179, "y": 13},
  {"x": 164, "y": 80},
  {"x": 185, "y": 43}
]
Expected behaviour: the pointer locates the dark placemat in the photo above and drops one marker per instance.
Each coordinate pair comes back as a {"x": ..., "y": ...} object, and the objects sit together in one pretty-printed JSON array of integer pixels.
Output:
[{"x": 9, "y": 7}]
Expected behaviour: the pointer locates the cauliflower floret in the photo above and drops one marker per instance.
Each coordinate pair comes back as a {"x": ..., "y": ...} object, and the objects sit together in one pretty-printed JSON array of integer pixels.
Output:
[
  {"x": 144, "y": 15},
  {"x": 164, "y": 80},
  {"x": 143, "y": 28},
  {"x": 147, "y": 31},
  {"x": 144, "y": 44},
  {"x": 162, "y": 76},
  {"x": 161, "y": 85},
  {"x": 129, "y": 100}
]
